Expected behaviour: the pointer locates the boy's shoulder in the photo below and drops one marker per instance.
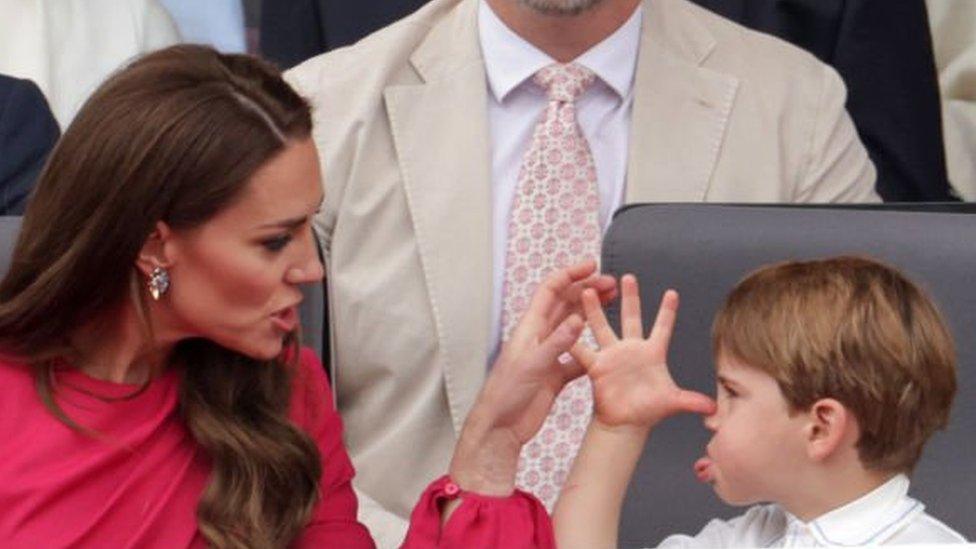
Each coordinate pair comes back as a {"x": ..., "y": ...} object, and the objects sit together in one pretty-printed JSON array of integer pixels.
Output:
[
  {"x": 759, "y": 526},
  {"x": 906, "y": 523},
  {"x": 926, "y": 529}
]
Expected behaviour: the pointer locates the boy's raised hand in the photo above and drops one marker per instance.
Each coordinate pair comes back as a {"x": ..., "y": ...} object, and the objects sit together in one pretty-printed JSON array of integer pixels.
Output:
[{"x": 631, "y": 382}]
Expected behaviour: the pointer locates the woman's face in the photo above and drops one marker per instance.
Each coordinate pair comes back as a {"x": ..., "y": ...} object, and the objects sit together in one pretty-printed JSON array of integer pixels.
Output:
[{"x": 235, "y": 279}]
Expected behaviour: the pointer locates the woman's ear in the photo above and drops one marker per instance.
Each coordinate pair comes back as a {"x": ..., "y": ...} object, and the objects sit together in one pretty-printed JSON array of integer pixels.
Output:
[
  {"x": 156, "y": 250},
  {"x": 830, "y": 428}
]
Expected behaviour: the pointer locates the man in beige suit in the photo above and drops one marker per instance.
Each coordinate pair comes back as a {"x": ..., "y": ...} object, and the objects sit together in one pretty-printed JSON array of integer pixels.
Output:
[{"x": 420, "y": 128}]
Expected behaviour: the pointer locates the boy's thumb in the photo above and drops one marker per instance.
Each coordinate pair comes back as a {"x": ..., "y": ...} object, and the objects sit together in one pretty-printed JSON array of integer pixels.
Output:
[{"x": 692, "y": 401}]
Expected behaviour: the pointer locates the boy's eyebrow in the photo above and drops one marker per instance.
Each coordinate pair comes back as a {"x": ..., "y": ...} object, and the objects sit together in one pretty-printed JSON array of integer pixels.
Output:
[{"x": 726, "y": 381}]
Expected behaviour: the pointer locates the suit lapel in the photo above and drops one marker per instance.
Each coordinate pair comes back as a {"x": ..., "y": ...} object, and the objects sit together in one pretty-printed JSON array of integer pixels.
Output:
[
  {"x": 680, "y": 110},
  {"x": 440, "y": 130}
]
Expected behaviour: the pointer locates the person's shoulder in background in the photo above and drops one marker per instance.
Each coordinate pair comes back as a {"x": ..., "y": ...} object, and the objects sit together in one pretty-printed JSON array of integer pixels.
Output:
[{"x": 28, "y": 132}]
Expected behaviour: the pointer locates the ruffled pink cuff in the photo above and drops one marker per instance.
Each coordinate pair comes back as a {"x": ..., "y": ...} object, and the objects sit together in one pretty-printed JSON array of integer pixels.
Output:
[{"x": 517, "y": 521}]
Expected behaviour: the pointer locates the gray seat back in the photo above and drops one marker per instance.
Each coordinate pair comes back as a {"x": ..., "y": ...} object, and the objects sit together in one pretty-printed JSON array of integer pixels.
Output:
[
  {"x": 703, "y": 250},
  {"x": 312, "y": 311}
]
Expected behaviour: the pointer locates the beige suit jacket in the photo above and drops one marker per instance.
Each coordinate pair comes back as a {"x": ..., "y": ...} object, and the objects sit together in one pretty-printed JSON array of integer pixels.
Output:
[
  {"x": 954, "y": 37},
  {"x": 720, "y": 114}
]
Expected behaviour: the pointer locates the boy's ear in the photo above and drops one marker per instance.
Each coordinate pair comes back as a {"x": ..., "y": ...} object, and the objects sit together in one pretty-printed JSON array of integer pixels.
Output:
[
  {"x": 156, "y": 250},
  {"x": 830, "y": 426}
]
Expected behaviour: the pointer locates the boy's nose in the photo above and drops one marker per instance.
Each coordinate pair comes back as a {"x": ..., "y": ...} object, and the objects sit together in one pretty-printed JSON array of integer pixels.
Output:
[{"x": 711, "y": 421}]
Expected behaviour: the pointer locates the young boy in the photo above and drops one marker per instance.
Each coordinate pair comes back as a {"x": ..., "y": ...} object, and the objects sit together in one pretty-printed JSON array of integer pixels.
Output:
[{"x": 831, "y": 374}]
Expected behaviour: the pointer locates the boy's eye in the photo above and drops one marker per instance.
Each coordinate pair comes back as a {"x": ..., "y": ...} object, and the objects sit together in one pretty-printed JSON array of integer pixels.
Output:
[
  {"x": 729, "y": 391},
  {"x": 277, "y": 243}
]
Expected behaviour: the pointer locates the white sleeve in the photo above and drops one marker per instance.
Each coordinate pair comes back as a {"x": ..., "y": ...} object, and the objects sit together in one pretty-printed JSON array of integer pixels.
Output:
[{"x": 158, "y": 28}]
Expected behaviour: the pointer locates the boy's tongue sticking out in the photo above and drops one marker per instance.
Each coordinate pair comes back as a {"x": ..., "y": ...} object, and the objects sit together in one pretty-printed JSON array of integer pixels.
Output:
[{"x": 703, "y": 470}]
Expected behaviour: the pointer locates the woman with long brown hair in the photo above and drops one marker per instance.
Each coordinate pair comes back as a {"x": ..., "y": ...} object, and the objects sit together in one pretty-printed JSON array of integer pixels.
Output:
[{"x": 154, "y": 393}]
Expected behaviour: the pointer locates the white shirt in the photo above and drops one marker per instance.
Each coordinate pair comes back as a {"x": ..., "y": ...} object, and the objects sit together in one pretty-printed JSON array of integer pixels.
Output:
[
  {"x": 885, "y": 516},
  {"x": 68, "y": 47},
  {"x": 515, "y": 104}
]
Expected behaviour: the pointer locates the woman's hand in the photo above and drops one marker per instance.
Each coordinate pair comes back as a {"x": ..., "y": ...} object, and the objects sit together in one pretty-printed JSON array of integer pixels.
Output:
[
  {"x": 632, "y": 386},
  {"x": 525, "y": 380}
]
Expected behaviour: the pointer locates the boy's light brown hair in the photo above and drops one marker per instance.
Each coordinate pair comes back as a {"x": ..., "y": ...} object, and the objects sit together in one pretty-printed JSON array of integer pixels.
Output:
[{"x": 854, "y": 330}]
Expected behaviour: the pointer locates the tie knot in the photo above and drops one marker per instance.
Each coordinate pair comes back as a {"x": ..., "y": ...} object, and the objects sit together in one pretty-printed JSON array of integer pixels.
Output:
[{"x": 564, "y": 82}]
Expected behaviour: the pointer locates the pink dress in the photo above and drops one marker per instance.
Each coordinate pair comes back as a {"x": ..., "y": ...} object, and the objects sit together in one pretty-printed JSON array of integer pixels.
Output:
[{"x": 137, "y": 485}]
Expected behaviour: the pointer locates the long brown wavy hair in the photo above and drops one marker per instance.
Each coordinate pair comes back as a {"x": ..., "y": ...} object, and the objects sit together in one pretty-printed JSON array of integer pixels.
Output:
[{"x": 175, "y": 136}]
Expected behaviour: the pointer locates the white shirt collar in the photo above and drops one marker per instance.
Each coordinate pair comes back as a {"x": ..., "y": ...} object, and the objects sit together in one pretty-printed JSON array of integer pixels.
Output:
[
  {"x": 868, "y": 520},
  {"x": 510, "y": 60}
]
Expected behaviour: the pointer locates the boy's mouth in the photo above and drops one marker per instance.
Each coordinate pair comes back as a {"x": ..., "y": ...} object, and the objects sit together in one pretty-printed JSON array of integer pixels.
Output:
[{"x": 704, "y": 470}]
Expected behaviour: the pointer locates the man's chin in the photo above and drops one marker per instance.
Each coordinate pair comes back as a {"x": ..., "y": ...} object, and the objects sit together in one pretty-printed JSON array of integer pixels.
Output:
[{"x": 560, "y": 8}]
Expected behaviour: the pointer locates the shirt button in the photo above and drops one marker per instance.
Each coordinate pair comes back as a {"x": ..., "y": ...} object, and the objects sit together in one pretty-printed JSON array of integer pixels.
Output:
[{"x": 451, "y": 489}]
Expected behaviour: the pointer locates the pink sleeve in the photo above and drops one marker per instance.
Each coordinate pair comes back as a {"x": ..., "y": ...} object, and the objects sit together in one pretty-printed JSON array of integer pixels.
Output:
[
  {"x": 517, "y": 521},
  {"x": 333, "y": 522}
]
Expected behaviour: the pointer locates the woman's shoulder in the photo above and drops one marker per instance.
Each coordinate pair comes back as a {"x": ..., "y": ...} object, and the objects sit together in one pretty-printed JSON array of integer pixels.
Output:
[
  {"x": 311, "y": 397},
  {"x": 311, "y": 370},
  {"x": 20, "y": 398},
  {"x": 14, "y": 370}
]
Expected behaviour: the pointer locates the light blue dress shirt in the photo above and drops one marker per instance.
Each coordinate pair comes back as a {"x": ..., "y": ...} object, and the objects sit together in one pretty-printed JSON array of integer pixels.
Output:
[{"x": 219, "y": 23}]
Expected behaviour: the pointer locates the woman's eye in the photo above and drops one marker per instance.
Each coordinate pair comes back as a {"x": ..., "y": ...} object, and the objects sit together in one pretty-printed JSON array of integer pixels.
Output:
[{"x": 277, "y": 243}]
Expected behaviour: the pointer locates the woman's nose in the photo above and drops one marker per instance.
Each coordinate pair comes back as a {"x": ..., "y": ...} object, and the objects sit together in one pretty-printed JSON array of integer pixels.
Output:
[
  {"x": 313, "y": 271},
  {"x": 309, "y": 268}
]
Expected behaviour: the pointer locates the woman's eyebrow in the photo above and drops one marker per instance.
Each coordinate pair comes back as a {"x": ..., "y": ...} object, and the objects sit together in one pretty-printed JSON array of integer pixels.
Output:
[{"x": 286, "y": 223}]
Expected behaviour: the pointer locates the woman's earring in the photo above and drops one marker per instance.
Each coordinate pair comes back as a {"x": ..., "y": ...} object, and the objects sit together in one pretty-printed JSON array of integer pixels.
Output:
[{"x": 158, "y": 283}]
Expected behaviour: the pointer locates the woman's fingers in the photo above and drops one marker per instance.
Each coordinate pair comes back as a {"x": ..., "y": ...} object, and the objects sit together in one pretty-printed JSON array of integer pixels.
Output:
[
  {"x": 581, "y": 270},
  {"x": 547, "y": 309},
  {"x": 602, "y": 283},
  {"x": 569, "y": 301},
  {"x": 548, "y": 302},
  {"x": 631, "y": 325},
  {"x": 560, "y": 341},
  {"x": 660, "y": 336},
  {"x": 597, "y": 321}
]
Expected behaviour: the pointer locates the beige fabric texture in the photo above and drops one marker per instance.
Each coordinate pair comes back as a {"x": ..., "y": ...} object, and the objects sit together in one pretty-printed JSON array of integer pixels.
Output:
[{"x": 954, "y": 37}]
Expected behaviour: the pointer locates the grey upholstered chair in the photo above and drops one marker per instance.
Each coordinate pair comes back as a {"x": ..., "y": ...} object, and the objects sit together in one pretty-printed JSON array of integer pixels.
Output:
[
  {"x": 703, "y": 250},
  {"x": 312, "y": 311}
]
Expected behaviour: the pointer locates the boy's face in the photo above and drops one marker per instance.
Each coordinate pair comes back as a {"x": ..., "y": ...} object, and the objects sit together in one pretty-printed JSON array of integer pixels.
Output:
[{"x": 757, "y": 448}]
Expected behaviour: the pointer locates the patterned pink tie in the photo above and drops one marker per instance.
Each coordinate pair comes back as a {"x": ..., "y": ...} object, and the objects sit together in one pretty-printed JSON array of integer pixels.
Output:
[{"x": 554, "y": 223}]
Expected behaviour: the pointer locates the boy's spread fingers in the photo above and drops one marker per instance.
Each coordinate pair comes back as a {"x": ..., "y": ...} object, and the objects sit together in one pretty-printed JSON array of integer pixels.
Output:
[
  {"x": 583, "y": 355},
  {"x": 664, "y": 323},
  {"x": 630, "y": 310},
  {"x": 601, "y": 329}
]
